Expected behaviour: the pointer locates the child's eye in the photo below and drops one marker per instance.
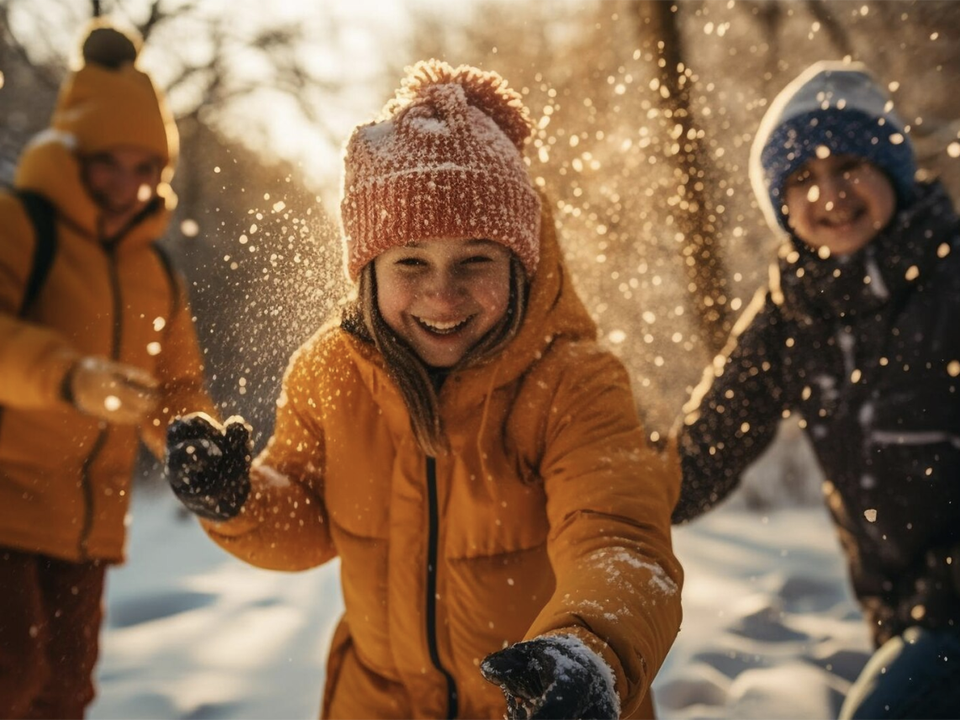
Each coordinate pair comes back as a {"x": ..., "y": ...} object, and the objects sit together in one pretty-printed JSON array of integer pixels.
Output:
[
  {"x": 476, "y": 259},
  {"x": 799, "y": 179},
  {"x": 105, "y": 162},
  {"x": 411, "y": 262},
  {"x": 851, "y": 166}
]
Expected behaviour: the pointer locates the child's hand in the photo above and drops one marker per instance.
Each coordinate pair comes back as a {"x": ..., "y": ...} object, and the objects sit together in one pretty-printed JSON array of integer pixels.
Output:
[
  {"x": 208, "y": 465},
  {"x": 552, "y": 677},
  {"x": 112, "y": 391}
]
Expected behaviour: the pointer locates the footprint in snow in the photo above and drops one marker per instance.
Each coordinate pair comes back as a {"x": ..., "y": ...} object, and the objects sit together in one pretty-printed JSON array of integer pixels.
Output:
[
  {"x": 766, "y": 624},
  {"x": 136, "y": 611}
]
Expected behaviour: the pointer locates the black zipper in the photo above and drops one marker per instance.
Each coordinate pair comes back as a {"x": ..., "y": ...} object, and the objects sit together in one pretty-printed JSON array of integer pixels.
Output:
[
  {"x": 88, "y": 499},
  {"x": 432, "y": 543},
  {"x": 86, "y": 482}
]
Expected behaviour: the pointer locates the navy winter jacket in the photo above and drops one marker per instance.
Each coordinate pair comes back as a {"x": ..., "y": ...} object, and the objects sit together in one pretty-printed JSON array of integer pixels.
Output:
[{"x": 866, "y": 349}]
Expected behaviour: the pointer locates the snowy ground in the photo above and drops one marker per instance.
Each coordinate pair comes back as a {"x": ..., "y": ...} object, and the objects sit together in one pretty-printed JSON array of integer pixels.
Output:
[
  {"x": 769, "y": 631},
  {"x": 770, "y": 628}
]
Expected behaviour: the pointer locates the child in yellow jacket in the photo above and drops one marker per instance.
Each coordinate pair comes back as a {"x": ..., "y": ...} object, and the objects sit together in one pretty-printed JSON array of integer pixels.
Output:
[
  {"x": 459, "y": 441},
  {"x": 97, "y": 352}
]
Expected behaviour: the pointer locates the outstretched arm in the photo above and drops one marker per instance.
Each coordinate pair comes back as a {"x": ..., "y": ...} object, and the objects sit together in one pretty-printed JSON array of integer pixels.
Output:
[
  {"x": 270, "y": 512},
  {"x": 733, "y": 414},
  {"x": 609, "y": 495}
]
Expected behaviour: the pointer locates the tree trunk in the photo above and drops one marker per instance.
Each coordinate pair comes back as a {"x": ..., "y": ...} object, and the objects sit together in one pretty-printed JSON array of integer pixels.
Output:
[{"x": 659, "y": 36}]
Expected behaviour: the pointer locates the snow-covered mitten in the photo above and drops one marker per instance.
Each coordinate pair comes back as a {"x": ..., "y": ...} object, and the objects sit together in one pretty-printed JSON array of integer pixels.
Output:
[
  {"x": 553, "y": 677},
  {"x": 208, "y": 464}
]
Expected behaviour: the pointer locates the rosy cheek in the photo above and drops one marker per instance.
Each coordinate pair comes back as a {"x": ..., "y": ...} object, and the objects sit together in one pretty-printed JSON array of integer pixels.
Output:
[{"x": 406, "y": 292}]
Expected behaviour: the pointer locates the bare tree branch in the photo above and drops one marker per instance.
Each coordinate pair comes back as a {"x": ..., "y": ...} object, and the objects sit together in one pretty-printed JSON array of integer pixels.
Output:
[
  {"x": 44, "y": 73},
  {"x": 839, "y": 37}
]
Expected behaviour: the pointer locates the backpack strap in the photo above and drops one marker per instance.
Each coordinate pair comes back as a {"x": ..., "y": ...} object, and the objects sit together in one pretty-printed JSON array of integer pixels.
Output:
[
  {"x": 43, "y": 216},
  {"x": 171, "y": 271}
]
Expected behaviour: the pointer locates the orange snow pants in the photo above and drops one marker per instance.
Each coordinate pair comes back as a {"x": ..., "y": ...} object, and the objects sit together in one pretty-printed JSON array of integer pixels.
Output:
[{"x": 50, "y": 614}]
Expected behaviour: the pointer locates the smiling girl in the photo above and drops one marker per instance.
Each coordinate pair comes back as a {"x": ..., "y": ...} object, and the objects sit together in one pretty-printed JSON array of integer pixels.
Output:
[{"x": 459, "y": 440}]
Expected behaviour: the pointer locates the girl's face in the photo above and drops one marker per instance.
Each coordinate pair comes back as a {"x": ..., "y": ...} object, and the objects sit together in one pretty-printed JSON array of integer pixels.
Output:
[
  {"x": 443, "y": 296},
  {"x": 839, "y": 202}
]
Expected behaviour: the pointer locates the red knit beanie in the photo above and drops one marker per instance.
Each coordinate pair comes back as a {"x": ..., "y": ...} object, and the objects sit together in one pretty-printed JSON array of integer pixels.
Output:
[{"x": 445, "y": 160}]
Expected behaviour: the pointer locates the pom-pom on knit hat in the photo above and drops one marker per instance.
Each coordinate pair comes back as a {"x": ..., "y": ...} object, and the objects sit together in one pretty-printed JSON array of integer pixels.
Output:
[
  {"x": 838, "y": 105},
  {"x": 108, "y": 102},
  {"x": 445, "y": 160}
]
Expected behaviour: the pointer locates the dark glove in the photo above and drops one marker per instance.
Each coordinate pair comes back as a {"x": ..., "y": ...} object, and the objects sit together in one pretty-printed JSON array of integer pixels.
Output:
[
  {"x": 552, "y": 677},
  {"x": 208, "y": 465}
]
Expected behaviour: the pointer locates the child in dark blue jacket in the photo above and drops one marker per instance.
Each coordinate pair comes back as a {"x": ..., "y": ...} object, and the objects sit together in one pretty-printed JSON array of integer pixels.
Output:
[{"x": 858, "y": 332}]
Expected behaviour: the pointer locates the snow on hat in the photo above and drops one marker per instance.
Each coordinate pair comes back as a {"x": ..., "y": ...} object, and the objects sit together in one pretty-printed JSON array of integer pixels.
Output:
[
  {"x": 108, "y": 102},
  {"x": 445, "y": 160},
  {"x": 838, "y": 105}
]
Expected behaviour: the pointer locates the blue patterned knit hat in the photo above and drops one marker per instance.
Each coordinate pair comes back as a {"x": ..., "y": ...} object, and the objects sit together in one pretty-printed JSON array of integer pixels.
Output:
[{"x": 838, "y": 105}]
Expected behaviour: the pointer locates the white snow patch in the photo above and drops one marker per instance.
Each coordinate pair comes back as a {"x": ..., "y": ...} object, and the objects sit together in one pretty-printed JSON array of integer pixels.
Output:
[
  {"x": 429, "y": 125},
  {"x": 609, "y": 558},
  {"x": 770, "y": 629}
]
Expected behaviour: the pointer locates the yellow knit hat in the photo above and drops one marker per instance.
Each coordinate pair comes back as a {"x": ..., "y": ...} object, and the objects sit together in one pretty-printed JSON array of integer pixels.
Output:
[{"x": 108, "y": 102}]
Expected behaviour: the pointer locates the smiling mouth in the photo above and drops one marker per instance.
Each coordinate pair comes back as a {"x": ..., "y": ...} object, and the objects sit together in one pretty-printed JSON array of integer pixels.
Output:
[
  {"x": 443, "y": 327},
  {"x": 842, "y": 218}
]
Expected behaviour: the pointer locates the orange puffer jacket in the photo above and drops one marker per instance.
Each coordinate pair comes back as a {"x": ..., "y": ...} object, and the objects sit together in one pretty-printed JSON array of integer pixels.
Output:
[
  {"x": 64, "y": 476},
  {"x": 550, "y": 515}
]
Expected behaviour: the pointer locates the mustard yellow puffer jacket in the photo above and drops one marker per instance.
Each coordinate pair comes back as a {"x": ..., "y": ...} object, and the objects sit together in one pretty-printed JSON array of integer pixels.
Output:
[
  {"x": 551, "y": 514},
  {"x": 64, "y": 476}
]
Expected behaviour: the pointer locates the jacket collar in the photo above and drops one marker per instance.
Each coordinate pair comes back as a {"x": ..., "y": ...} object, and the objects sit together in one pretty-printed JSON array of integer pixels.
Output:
[{"x": 900, "y": 257}]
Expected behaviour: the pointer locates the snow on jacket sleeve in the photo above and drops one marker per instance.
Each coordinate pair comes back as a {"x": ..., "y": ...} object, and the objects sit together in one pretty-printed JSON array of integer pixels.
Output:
[
  {"x": 180, "y": 373},
  {"x": 33, "y": 359},
  {"x": 609, "y": 495},
  {"x": 734, "y": 413},
  {"x": 283, "y": 524}
]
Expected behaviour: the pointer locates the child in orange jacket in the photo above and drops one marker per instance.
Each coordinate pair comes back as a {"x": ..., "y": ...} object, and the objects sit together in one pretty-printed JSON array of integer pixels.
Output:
[
  {"x": 459, "y": 441},
  {"x": 97, "y": 351}
]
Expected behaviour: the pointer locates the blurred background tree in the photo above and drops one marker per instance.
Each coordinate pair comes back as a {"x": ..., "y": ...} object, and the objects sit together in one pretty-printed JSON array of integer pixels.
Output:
[{"x": 644, "y": 115}]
